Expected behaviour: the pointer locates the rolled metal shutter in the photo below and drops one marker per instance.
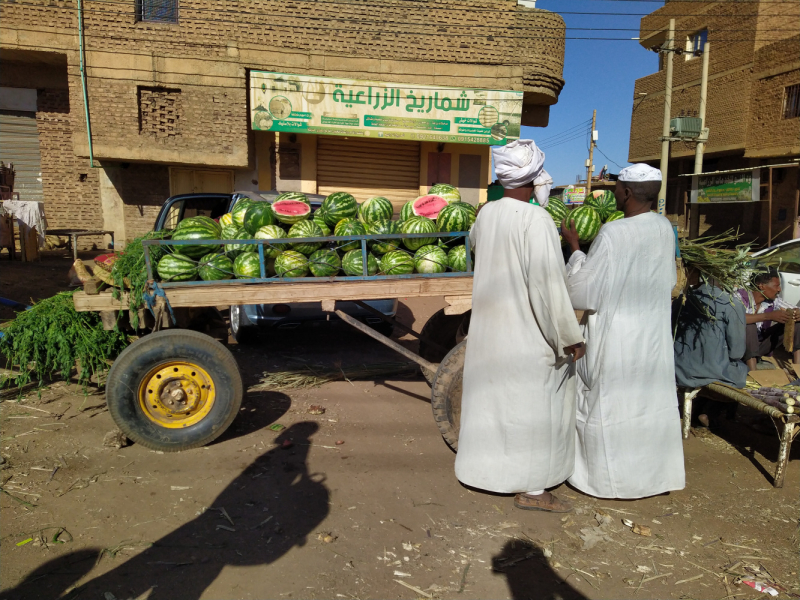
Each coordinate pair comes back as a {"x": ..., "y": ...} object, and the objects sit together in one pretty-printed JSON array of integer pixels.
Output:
[
  {"x": 369, "y": 167},
  {"x": 19, "y": 144}
]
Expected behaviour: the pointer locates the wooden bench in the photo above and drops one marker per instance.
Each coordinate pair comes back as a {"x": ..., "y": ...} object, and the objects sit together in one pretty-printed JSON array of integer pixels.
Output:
[{"x": 786, "y": 424}]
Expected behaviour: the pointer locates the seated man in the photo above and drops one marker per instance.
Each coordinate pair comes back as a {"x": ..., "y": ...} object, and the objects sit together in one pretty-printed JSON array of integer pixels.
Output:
[{"x": 766, "y": 317}]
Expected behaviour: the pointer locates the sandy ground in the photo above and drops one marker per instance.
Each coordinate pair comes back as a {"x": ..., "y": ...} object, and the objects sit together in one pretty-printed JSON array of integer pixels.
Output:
[{"x": 294, "y": 514}]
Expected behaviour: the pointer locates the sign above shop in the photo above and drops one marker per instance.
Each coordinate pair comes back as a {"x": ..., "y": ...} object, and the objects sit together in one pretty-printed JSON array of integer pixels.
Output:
[
  {"x": 738, "y": 186},
  {"x": 374, "y": 109}
]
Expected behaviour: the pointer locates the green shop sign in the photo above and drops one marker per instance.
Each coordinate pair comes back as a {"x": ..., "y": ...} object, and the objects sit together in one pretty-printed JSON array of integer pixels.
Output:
[
  {"x": 737, "y": 186},
  {"x": 374, "y": 109}
]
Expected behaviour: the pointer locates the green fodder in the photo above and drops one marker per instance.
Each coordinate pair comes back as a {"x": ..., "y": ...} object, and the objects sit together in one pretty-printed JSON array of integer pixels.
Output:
[
  {"x": 729, "y": 269},
  {"x": 52, "y": 338},
  {"x": 129, "y": 270}
]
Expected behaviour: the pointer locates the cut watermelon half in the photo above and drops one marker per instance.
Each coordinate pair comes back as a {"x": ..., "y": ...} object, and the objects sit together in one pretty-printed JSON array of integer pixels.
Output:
[
  {"x": 428, "y": 206},
  {"x": 291, "y": 211}
]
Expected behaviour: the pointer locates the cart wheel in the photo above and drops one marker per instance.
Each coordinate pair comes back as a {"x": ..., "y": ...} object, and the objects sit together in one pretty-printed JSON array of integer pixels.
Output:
[
  {"x": 446, "y": 394},
  {"x": 446, "y": 331},
  {"x": 174, "y": 390}
]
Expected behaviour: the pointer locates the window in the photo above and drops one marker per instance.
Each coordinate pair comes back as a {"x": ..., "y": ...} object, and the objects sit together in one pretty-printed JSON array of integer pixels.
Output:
[
  {"x": 157, "y": 11},
  {"x": 791, "y": 101},
  {"x": 696, "y": 43}
]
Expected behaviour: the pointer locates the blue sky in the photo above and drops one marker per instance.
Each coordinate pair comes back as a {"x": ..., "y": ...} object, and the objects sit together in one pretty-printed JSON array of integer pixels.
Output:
[{"x": 599, "y": 75}]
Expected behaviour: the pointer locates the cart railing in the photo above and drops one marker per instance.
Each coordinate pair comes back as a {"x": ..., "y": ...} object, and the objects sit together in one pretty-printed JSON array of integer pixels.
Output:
[{"x": 274, "y": 279}]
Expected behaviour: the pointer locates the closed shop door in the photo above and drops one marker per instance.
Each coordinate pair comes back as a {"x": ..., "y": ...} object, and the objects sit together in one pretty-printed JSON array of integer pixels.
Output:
[
  {"x": 366, "y": 167},
  {"x": 19, "y": 144},
  {"x": 198, "y": 181}
]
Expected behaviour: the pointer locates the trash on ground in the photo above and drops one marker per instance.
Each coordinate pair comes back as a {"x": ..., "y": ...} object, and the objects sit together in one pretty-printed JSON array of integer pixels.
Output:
[{"x": 315, "y": 409}]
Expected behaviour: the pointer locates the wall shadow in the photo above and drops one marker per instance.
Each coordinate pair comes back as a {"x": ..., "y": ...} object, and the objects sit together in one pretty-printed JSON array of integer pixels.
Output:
[
  {"x": 274, "y": 505},
  {"x": 529, "y": 576}
]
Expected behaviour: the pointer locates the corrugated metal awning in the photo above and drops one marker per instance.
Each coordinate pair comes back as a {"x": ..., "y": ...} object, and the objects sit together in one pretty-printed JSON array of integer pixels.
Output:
[{"x": 19, "y": 145}]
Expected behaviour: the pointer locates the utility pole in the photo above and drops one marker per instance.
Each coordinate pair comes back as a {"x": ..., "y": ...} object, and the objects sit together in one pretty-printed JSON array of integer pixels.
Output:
[
  {"x": 662, "y": 194},
  {"x": 694, "y": 207},
  {"x": 591, "y": 157}
]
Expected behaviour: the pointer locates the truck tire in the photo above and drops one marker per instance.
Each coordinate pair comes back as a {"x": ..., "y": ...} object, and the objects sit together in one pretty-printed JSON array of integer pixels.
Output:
[
  {"x": 446, "y": 394},
  {"x": 173, "y": 390},
  {"x": 242, "y": 329},
  {"x": 444, "y": 330}
]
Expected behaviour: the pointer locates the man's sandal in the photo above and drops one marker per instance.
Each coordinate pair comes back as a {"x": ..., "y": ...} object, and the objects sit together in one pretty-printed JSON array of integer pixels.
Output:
[{"x": 544, "y": 502}]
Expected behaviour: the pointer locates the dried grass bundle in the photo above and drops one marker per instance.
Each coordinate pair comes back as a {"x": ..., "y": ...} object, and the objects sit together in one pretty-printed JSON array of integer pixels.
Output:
[{"x": 316, "y": 375}]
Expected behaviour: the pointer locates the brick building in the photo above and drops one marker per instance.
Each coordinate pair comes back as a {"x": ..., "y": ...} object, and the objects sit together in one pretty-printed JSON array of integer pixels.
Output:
[
  {"x": 168, "y": 88},
  {"x": 753, "y": 110}
]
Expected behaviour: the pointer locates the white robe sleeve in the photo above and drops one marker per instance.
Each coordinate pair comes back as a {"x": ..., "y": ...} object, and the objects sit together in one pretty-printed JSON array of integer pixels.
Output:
[
  {"x": 547, "y": 290},
  {"x": 586, "y": 274}
]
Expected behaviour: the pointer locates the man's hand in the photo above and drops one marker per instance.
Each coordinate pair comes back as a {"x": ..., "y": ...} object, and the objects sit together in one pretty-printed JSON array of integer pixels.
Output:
[
  {"x": 570, "y": 234},
  {"x": 779, "y": 316},
  {"x": 577, "y": 351}
]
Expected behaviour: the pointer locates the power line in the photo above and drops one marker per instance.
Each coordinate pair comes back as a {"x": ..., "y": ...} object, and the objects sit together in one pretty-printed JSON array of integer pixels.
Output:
[
  {"x": 607, "y": 158},
  {"x": 566, "y": 132}
]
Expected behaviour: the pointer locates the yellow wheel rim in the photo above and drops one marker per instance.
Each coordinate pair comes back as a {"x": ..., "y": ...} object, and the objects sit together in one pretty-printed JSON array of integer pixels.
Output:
[{"x": 176, "y": 394}]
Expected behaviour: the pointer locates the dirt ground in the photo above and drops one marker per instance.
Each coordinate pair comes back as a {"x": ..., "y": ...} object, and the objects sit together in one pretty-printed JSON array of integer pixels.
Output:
[{"x": 296, "y": 514}]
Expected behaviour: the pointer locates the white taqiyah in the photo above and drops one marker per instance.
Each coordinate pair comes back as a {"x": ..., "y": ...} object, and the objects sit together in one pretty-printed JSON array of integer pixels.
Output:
[
  {"x": 639, "y": 172},
  {"x": 517, "y": 164}
]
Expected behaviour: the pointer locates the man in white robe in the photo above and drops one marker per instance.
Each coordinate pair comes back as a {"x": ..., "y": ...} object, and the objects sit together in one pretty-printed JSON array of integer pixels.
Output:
[
  {"x": 517, "y": 431},
  {"x": 629, "y": 433}
]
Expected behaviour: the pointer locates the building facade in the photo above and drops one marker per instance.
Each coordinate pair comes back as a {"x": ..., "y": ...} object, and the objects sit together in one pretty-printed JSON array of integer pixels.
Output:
[
  {"x": 753, "y": 105},
  {"x": 130, "y": 102}
]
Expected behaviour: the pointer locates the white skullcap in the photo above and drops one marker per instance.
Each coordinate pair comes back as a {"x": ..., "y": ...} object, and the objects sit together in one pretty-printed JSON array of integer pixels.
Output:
[
  {"x": 541, "y": 188},
  {"x": 639, "y": 172},
  {"x": 517, "y": 164}
]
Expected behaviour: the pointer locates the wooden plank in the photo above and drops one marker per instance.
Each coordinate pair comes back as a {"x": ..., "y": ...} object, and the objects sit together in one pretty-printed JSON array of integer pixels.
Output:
[{"x": 273, "y": 293}]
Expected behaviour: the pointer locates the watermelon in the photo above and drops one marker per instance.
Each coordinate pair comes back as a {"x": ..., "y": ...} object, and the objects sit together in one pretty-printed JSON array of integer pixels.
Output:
[
  {"x": 197, "y": 230},
  {"x": 615, "y": 216},
  {"x": 338, "y": 206},
  {"x": 291, "y": 264},
  {"x": 258, "y": 215},
  {"x": 349, "y": 226},
  {"x": 352, "y": 263},
  {"x": 587, "y": 222},
  {"x": 397, "y": 262},
  {"x": 239, "y": 211},
  {"x": 407, "y": 211},
  {"x": 375, "y": 209},
  {"x": 200, "y": 221},
  {"x": 215, "y": 267},
  {"x": 473, "y": 212},
  {"x": 297, "y": 196},
  {"x": 305, "y": 229},
  {"x": 418, "y": 225},
  {"x": 603, "y": 201},
  {"x": 457, "y": 258},
  {"x": 430, "y": 259},
  {"x": 271, "y": 232},
  {"x": 234, "y": 250},
  {"x": 428, "y": 206},
  {"x": 228, "y": 232},
  {"x": 226, "y": 220},
  {"x": 453, "y": 217},
  {"x": 381, "y": 228},
  {"x": 557, "y": 209},
  {"x": 446, "y": 191},
  {"x": 176, "y": 267},
  {"x": 247, "y": 266},
  {"x": 324, "y": 263},
  {"x": 319, "y": 219},
  {"x": 291, "y": 211}
]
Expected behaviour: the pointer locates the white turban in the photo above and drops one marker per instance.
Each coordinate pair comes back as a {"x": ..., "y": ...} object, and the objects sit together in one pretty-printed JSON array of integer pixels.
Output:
[
  {"x": 517, "y": 164},
  {"x": 541, "y": 188},
  {"x": 639, "y": 172}
]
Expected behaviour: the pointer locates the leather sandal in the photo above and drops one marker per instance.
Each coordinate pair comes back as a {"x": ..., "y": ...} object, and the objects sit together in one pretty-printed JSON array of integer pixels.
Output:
[{"x": 546, "y": 502}]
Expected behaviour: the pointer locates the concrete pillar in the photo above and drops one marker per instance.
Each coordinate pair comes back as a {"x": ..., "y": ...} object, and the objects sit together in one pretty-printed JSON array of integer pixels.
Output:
[{"x": 112, "y": 205}]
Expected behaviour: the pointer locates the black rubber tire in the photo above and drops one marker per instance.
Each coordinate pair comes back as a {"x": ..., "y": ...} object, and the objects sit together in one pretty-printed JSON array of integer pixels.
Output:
[
  {"x": 446, "y": 394},
  {"x": 242, "y": 329},
  {"x": 444, "y": 330},
  {"x": 143, "y": 355}
]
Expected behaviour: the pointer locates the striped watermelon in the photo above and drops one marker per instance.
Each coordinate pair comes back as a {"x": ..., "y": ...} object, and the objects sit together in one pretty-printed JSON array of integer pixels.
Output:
[
  {"x": 239, "y": 211},
  {"x": 603, "y": 201},
  {"x": 319, "y": 219},
  {"x": 296, "y": 196},
  {"x": 271, "y": 232},
  {"x": 615, "y": 216},
  {"x": 557, "y": 209},
  {"x": 338, "y": 206},
  {"x": 375, "y": 209},
  {"x": 291, "y": 211},
  {"x": 291, "y": 264},
  {"x": 418, "y": 225},
  {"x": 407, "y": 211},
  {"x": 397, "y": 262},
  {"x": 428, "y": 206},
  {"x": 457, "y": 258},
  {"x": 446, "y": 191},
  {"x": 247, "y": 266},
  {"x": 305, "y": 229},
  {"x": 352, "y": 263},
  {"x": 349, "y": 226},
  {"x": 587, "y": 222},
  {"x": 454, "y": 217},
  {"x": 229, "y": 232},
  {"x": 324, "y": 263},
  {"x": 215, "y": 267},
  {"x": 176, "y": 267},
  {"x": 382, "y": 228},
  {"x": 258, "y": 215},
  {"x": 473, "y": 212},
  {"x": 430, "y": 259},
  {"x": 226, "y": 220},
  {"x": 234, "y": 250},
  {"x": 199, "y": 221},
  {"x": 197, "y": 230}
]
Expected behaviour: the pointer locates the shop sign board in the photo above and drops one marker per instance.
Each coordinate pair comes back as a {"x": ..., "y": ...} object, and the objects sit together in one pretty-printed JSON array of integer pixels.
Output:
[
  {"x": 742, "y": 186},
  {"x": 574, "y": 194},
  {"x": 374, "y": 109}
]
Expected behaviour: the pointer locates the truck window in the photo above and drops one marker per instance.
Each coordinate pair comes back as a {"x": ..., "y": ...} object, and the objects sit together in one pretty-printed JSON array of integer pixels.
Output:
[{"x": 192, "y": 207}]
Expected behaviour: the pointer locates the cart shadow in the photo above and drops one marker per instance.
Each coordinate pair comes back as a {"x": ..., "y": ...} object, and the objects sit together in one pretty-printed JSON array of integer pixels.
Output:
[
  {"x": 271, "y": 507},
  {"x": 529, "y": 575},
  {"x": 259, "y": 410},
  {"x": 399, "y": 390}
]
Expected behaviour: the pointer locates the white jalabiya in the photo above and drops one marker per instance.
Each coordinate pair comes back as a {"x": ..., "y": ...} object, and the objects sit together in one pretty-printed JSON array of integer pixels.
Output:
[
  {"x": 629, "y": 432},
  {"x": 518, "y": 405}
]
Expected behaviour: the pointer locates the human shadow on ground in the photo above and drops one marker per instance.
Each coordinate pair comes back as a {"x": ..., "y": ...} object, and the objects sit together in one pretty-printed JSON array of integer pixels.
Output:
[
  {"x": 259, "y": 410},
  {"x": 529, "y": 576},
  {"x": 271, "y": 507},
  {"x": 54, "y": 577}
]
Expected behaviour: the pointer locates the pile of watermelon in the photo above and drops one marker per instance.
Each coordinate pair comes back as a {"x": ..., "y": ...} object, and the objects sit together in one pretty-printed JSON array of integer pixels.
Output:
[
  {"x": 598, "y": 208},
  {"x": 290, "y": 216}
]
